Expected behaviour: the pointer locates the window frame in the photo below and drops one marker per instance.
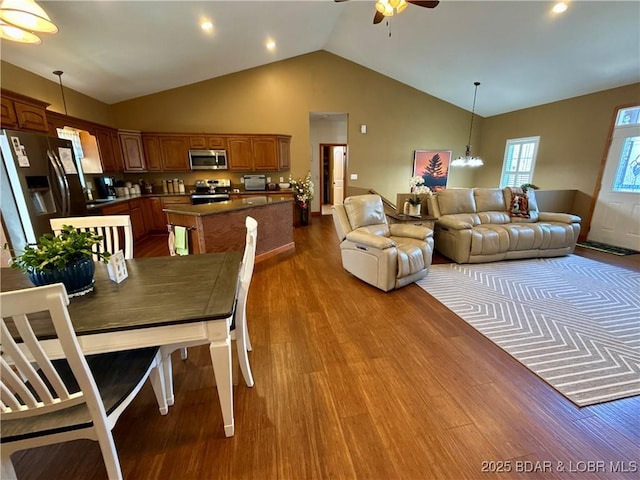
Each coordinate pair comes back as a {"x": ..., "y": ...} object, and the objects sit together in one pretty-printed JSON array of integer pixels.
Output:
[{"x": 535, "y": 140}]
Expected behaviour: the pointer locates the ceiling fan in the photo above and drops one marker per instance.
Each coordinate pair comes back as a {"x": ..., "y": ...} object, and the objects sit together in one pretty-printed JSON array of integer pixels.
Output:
[{"x": 386, "y": 8}]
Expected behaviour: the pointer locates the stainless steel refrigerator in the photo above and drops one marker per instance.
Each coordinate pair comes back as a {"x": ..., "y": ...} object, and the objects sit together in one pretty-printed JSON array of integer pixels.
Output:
[{"x": 39, "y": 179}]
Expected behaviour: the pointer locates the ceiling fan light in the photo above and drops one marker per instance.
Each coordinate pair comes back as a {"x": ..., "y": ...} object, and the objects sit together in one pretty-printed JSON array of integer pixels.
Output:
[
  {"x": 381, "y": 6},
  {"x": 388, "y": 11},
  {"x": 15, "y": 34},
  {"x": 394, "y": 3},
  {"x": 402, "y": 4},
  {"x": 27, "y": 15}
]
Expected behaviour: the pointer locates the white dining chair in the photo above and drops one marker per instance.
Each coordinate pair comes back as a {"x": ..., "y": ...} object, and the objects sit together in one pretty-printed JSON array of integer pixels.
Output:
[
  {"x": 116, "y": 231},
  {"x": 45, "y": 401},
  {"x": 239, "y": 330}
]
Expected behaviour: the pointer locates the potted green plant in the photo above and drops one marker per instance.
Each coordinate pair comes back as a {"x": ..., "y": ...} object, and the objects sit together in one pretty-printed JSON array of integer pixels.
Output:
[{"x": 65, "y": 258}]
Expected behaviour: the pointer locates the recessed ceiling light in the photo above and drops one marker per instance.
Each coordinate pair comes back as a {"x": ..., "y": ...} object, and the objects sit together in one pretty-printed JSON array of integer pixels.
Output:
[
  {"x": 271, "y": 45},
  {"x": 206, "y": 25},
  {"x": 559, "y": 7}
]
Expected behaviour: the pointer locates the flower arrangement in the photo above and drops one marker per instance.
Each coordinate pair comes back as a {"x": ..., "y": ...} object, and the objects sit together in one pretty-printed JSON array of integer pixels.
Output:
[
  {"x": 418, "y": 188},
  {"x": 302, "y": 190},
  {"x": 56, "y": 252}
]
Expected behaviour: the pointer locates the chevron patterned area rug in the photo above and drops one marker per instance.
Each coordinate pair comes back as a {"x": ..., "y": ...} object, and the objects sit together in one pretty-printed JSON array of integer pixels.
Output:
[{"x": 573, "y": 321}]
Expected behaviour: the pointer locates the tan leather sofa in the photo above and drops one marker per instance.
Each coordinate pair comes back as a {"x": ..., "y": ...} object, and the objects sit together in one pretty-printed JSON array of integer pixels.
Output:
[
  {"x": 385, "y": 256},
  {"x": 477, "y": 225}
]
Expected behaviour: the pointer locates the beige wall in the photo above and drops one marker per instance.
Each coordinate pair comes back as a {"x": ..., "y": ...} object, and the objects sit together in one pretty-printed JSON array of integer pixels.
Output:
[
  {"x": 277, "y": 98},
  {"x": 573, "y": 136},
  {"x": 48, "y": 90}
]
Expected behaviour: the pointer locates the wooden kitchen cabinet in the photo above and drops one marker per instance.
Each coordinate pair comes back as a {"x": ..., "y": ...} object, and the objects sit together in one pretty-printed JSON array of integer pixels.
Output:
[
  {"x": 258, "y": 153},
  {"x": 265, "y": 153},
  {"x": 23, "y": 113},
  {"x": 132, "y": 151},
  {"x": 207, "y": 142},
  {"x": 133, "y": 208},
  {"x": 175, "y": 153},
  {"x": 239, "y": 154},
  {"x": 137, "y": 219},
  {"x": 152, "y": 154},
  {"x": 110, "y": 155},
  {"x": 284, "y": 152},
  {"x": 154, "y": 217}
]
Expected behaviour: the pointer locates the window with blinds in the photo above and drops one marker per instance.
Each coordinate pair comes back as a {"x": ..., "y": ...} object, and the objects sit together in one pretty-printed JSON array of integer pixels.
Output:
[{"x": 519, "y": 161}]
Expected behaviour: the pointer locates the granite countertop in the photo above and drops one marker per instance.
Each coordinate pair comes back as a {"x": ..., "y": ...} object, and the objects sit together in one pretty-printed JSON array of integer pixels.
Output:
[
  {"x": 98, "y": 204},
  {"x": 228, "y": 205}
]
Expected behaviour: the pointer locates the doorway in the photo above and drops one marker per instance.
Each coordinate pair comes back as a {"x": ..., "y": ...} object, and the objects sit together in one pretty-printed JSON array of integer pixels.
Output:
[
  {"x": 333, "y": 159},
  {"x": 616, "y": 215}
]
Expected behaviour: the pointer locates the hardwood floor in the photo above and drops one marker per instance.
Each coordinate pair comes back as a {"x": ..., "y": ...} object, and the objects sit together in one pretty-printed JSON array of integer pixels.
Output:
[{"x": 354, "y": 383}]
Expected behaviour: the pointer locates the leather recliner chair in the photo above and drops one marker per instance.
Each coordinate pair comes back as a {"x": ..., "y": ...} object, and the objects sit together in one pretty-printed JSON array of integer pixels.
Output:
[{"x": 385, "y": 256}]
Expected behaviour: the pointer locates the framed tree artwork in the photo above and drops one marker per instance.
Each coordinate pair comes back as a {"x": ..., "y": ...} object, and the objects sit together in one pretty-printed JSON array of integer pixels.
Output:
[{"x": 433, "y": 167}]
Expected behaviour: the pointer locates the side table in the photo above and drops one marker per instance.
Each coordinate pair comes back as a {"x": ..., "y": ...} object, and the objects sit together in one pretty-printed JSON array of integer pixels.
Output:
[{"x": 423, "y": 221}]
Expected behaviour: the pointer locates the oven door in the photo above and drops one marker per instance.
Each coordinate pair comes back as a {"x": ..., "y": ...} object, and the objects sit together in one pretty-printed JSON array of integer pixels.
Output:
[{"x": 202, "y": 198}]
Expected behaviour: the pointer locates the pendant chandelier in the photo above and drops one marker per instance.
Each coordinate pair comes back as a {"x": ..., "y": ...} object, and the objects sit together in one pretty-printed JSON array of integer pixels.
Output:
[
  {"x": 387, "y": 7},
  {"x": 22, "y": 20},
  {"x": 468, "y": 160}
]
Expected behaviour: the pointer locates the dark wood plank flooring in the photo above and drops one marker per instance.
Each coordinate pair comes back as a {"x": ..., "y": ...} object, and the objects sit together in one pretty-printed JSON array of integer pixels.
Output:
[{"x": 354, "y": 383}]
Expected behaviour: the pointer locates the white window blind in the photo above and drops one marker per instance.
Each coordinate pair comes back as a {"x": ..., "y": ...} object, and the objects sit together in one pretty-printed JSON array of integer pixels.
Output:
[{"x": 519, "y": 161}]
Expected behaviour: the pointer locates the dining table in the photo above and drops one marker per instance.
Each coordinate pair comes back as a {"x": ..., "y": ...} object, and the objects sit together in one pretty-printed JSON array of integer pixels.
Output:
[{"x": 164, "y": 301}]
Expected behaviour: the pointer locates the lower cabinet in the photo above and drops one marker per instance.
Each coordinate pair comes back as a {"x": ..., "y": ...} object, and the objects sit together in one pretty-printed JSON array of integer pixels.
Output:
[
  {"x": 154, "y": 217},
  {"x": 137, "y": 219},
  {"x": 133, "y": 208}
]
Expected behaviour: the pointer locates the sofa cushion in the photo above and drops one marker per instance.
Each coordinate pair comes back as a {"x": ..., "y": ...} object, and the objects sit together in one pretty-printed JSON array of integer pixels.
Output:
[
  {"x": 456, "y": 200},
  {"x": 523, "y": 236},
  {"x": 489, "y": 199},
  {"x": 493, "y": 217},
  {"x": 489, "y": 240},
  {"x": 364, "y": 210}
]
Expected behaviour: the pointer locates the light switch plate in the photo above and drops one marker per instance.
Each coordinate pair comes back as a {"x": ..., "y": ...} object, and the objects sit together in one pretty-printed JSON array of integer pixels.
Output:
[{"x": 354, "y": 176}]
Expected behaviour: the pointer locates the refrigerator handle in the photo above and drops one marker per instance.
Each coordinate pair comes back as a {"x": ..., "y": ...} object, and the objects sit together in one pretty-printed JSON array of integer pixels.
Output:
[{"x": 62, "y": 183}]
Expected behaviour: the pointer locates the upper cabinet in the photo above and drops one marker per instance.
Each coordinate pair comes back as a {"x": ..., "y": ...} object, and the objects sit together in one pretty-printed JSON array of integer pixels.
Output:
[
  {"x": 23, "y": 113},
  {"x": 132, "y": 151},
  {"x": 152, "y": 155},
  {"x": 208, "y": 142},
  {"x": 109, "y": 147},
  {"x": 239, "y": 153},
  {"x": 175, "y": 153},
  {"x": 284, "y": 152},
  {"x": 262, "y": 153}
]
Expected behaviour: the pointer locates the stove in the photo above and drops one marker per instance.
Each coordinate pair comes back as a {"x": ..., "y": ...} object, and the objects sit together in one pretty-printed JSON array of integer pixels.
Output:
[{"x": 211, "y": 191}]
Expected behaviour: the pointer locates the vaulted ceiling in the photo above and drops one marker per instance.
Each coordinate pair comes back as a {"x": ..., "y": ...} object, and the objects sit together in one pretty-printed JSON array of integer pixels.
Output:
[{"x": 522, "y": 54}]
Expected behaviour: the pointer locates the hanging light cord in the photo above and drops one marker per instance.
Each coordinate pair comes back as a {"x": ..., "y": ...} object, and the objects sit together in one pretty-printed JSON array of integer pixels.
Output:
[
  {"x": 473, "y": 111},
  {"x": 64, "y": 102}
]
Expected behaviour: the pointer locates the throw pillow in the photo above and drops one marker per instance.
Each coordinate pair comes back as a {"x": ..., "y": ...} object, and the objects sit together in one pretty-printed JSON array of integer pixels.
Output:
[{"x": 519, "y": 205}]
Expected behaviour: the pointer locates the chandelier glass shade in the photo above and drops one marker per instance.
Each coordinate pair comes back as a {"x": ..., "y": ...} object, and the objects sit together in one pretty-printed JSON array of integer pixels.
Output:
[
  {"x": 469, "y": 160},
  {"x": 15, "y": 34},
  {"x": 389, "y": 7},
  {"x": 22, "y": 20}
]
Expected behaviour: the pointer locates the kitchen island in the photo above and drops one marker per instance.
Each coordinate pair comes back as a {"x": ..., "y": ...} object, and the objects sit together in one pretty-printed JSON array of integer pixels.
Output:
[{"x": 220, "y": 227}]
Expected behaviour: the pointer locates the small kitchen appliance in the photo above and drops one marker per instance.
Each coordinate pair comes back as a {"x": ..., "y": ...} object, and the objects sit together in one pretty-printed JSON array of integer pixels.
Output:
[
  {"x": 105, "y": 187},
  {"x": 255, "y": 182}
]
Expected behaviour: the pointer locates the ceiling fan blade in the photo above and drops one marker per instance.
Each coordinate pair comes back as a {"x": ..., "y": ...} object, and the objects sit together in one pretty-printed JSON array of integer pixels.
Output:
[
  {"x": 433, "y": 4},
  {"x": 377, "y": 18},
  {"x": 339, "y": 0}
]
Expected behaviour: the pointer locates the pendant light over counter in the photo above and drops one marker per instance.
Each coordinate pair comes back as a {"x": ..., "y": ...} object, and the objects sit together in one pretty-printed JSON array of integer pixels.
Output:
[
  {"x": 468, "y": 160},
  {"x": 22, "y": 20}
]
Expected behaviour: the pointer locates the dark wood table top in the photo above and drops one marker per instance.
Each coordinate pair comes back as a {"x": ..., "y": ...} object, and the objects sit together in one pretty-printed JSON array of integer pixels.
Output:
[{"x": 158, "y": 291}]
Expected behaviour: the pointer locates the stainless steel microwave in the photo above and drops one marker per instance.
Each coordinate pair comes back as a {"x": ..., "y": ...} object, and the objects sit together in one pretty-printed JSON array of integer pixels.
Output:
[{"x": 208, "y": 159}]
